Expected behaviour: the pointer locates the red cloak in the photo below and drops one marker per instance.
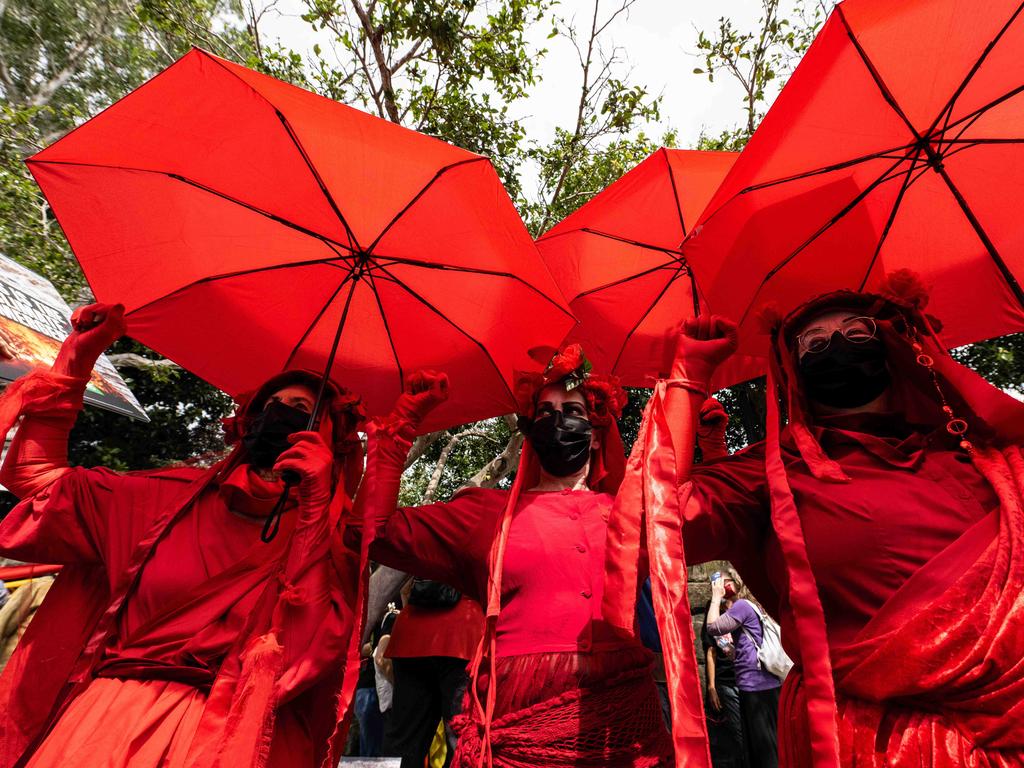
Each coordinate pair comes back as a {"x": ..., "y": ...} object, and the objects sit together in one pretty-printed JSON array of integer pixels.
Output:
[{"x": 159, "y": 585}]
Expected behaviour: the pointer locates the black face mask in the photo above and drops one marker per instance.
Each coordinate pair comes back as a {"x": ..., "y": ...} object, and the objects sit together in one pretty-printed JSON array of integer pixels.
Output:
[
  {"x": 562, "y": 443},
  {"x": 846, "y": 374},
  {"x": 267, "y": 436}
]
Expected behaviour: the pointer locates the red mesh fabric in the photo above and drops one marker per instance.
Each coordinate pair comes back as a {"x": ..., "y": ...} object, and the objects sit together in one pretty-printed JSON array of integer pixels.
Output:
[{"x": 597, "y": 718}]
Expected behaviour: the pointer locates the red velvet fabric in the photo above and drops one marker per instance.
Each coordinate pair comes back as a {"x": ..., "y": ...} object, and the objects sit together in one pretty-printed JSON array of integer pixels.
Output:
[{"x": 162, "y": 582}]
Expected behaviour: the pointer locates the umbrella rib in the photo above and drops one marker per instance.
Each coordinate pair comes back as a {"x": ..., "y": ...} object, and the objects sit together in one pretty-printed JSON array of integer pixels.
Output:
[
  {"x": 993, "y": 253},
  {"x": 353, "y": 241},
  {"x": 228, "y": 276},
  {"x": 298, "y": 146},
  {"x": 888, "y": 154},
  {"x": 209, "y": 190},
  {"x": 438, "y": 312},
  {"x": 986, "y": 107},
  {"x": 420, "y": 194},
  {"x": 316, "y": 320},
  {"x": 675, "y": 193},
  {"x": 620, "y": 281},
  {"x": 947, "y": 110},
  {"x": 387, "y": 330},
  {"x": 628, "y": 241},
  {"x": 890, "y": 220},
  {"x": 646, "y": 313},
  {"x": 821, "y": 230},
  {"x": 876, "y": 76},
  {"x": 466, "y": 270}
]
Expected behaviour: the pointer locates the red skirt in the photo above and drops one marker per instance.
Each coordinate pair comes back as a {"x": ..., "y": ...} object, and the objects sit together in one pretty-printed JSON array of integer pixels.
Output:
[{"x": 571, "y": 710}]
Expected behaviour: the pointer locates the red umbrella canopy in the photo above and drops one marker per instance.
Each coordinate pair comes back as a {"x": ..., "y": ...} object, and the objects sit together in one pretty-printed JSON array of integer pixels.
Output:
[
  {"x": 897, "y": 143},
  {"x": 242, "y": 221},
  {"x": 618, "y": 260}
]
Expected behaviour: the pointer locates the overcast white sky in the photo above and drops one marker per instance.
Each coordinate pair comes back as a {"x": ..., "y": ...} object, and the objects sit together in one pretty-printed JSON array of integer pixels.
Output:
[{"x": 659, "y": 39}]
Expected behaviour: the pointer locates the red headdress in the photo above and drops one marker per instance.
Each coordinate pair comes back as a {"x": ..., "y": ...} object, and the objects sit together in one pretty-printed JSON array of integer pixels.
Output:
[
  {"x": 932, "y": 388},
  {"x": 605, "y": 400}
]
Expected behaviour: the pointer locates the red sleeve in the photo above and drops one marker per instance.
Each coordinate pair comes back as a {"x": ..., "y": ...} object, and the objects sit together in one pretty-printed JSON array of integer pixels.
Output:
[
  {"x": 727, "y": 517},
  {"x": 313, "y": 613},
  {"x": 67, "y": 522},
  {"x": 446, "y": 542}
]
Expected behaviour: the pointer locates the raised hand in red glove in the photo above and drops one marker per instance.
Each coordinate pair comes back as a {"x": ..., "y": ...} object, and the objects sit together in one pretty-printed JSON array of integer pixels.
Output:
[
  {"x": 311, "y": 459},
  {"x": 711, "y": 426},
  {"x": 94, "y": 327},
  {"x": 703, "y": 344},
  {"x": 424, "y": 391}
]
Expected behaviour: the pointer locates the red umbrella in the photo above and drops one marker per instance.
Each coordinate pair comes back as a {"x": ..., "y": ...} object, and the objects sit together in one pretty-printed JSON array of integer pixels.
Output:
[
  {"x": 618, "y": 260},
  {"x": 897, "y": 143},
  {"x": 250, "y": 226}
]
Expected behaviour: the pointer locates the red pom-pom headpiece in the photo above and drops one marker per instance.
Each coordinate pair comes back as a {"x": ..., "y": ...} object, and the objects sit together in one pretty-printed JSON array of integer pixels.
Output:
[{"x": 604, "y": 394}]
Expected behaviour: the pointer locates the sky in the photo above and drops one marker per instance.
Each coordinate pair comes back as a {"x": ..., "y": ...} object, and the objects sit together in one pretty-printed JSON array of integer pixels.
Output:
[{"x": 658, "y": 40}]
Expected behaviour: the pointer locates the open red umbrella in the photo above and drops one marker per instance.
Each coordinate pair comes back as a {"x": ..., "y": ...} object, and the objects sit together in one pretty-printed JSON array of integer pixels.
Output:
[
  {"x": 618, "y": 260},
  {"x": 897, "y": 143},
  {"x": 250, "y": 226}
]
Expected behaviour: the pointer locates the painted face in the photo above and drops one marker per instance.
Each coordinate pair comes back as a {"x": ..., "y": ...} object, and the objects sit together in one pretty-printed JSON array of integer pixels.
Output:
[
  {"x": 285, "y": 413},
  {"x": 297, "y": 396},
  {"x": 817, "y": 333},
  {"x": 561, "y": 434},
  {"x": 842, "y": 360}
]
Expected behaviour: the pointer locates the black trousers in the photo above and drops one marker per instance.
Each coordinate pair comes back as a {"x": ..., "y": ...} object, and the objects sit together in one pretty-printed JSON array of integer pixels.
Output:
[
  {"x": 725, "y": 730},
  {"x": 427, "y": 690},
  {"x": 760, "y": 711}
]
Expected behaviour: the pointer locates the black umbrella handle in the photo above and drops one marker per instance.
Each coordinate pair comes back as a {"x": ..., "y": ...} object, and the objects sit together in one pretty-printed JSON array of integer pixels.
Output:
[
  {"x": 273, "y": 522},
  {"x": 290, "y": 477}
]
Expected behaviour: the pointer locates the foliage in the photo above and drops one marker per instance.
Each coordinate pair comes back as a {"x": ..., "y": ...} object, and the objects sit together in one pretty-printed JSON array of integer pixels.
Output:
[
  {"x": 757, "y": 60},
  {"x": 448, "y": 69},
  {"x": 184, "y": 421},
  {"x": 60, "y": 62}
]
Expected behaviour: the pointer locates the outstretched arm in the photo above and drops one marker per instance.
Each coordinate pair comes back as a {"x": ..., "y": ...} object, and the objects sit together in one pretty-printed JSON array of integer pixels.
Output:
[{"x": 39, "y": 452}]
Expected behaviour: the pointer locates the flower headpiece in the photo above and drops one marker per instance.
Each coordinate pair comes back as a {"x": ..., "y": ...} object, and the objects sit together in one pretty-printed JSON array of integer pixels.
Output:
[{"x": 604, "y": 394}]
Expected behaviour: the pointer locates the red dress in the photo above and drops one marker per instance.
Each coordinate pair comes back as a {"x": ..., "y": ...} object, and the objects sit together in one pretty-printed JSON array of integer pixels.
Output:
[
  {"x": 168, "y": 618},
  {"x": 900, "y": 556},
  {"x": 557, "y": 664}
]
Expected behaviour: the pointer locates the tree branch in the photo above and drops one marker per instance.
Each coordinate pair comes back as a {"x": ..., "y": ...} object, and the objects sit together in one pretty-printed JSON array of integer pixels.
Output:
[
  {"x": 420, "y": 446},
  {"x": 501, "y": 466},
  {"x": 442, "y": 460},
  {"x": 132, "y": 360}
]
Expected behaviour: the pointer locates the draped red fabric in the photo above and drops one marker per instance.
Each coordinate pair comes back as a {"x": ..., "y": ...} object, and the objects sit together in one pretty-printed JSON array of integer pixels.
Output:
[
  {"x": 260, "y": 634},
  {"x": 959, "y": 682}
]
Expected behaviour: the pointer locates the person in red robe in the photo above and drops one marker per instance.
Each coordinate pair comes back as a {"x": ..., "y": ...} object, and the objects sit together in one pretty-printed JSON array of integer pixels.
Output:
[
  {"x": 174, "y": 636},
  {"x": 551, "y": 685},
  {"x": 884, "y": 525}
]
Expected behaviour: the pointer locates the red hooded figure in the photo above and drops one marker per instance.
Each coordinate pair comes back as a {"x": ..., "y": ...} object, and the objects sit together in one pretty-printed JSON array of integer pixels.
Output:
[
  {"x": 552, "y": 685},
  {"x": 883, "y": 524},
  {"x": 174, "y": 635}
]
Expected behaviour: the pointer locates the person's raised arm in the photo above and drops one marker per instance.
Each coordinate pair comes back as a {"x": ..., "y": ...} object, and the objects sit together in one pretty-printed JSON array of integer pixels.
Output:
[
  {"x": 39, "y": 452},
  {"x": 702, "y": 345}
]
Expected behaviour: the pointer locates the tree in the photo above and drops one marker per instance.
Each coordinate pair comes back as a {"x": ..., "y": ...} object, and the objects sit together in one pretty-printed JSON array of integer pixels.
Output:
[{"x": 60, "y": 62}]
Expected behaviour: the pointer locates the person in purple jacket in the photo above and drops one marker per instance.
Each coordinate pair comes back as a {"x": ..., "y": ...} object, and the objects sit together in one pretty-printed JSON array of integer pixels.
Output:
[{"x": 759, "y": 689}]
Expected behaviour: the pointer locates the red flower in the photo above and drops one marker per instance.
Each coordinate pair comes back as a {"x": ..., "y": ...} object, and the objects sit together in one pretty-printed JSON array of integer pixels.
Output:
[{"x": 565, "y": 362}]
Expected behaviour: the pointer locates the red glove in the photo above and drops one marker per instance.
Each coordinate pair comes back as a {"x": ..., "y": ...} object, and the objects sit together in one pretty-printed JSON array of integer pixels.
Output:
[
  {"x": 311, "y": 459},
  {"x": 424, "y": 391},
  {"x": 94, "y": 328},
  {"x": 703, "y": 344},
  {"x": 711, "y": 430}
]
